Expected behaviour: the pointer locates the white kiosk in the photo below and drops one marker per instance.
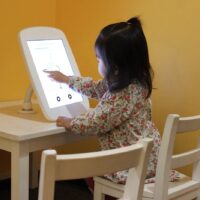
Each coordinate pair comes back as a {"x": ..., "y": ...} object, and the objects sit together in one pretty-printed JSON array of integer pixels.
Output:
[{"x": 46, "y": 48}]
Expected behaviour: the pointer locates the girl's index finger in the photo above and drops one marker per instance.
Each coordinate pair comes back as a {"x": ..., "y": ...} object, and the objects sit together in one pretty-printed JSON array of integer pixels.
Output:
[
  {"x": 50, "y": 71},
  {"x": 46, "y": 71}
]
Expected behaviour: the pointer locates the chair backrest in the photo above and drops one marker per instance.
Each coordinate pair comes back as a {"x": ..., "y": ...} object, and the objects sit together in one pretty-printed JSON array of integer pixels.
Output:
[
  {"x": 166, "y": 161},
  {"x": 75, "y": 166}
]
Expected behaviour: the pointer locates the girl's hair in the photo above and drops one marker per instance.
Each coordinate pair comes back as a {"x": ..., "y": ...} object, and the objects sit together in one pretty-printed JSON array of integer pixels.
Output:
[{"x": 123, "y": 49}]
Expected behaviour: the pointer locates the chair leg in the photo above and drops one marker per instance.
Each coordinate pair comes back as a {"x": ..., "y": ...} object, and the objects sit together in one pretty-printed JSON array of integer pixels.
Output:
[{"x": 98, "y": 195}]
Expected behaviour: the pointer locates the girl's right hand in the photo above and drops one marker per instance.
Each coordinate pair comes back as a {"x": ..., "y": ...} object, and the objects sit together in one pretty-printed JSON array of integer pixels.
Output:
[
  {"x": 57, "y": 76},
  {"x": 64, "y": 122}
]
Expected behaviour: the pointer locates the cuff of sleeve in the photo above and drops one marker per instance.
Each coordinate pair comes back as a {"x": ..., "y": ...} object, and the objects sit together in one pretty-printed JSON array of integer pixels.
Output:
[{"x": 72, "y": 79}]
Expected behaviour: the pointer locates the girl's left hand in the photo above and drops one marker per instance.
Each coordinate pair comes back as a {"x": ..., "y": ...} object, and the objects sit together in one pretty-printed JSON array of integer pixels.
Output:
[{"x": 64, "y": 122}]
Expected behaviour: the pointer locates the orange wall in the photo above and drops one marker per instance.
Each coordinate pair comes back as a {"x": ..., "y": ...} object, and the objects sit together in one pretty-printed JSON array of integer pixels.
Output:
[
  {"x": 172, "y": 29},
  {"x": 15, "y": 15},
  {"x": 82, "y": 20}
]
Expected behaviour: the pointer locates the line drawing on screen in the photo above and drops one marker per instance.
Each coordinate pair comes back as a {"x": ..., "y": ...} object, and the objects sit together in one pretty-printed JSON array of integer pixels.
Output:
[{"x": 51, "y": 55}]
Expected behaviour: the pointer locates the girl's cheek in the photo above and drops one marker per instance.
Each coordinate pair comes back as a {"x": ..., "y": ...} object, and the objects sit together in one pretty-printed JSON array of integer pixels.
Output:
[{"x": 101, "y": 69}]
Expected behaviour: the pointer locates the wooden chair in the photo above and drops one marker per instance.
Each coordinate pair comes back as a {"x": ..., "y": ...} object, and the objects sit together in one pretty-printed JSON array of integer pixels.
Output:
[
  {"x": 185, "y": 188},
  {"x": 74, "y": 166}
]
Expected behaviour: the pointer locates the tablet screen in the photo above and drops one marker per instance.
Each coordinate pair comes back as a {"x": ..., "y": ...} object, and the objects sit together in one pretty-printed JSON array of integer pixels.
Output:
[{"x": 51, "y": 55}]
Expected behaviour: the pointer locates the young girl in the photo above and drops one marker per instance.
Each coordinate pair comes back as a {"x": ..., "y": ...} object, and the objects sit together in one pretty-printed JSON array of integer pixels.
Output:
[{"x": 123, "y": 114}]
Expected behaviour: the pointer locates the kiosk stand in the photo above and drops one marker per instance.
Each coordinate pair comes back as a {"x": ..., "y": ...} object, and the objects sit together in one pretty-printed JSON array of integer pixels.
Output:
[{"x": 46, "y": 48}]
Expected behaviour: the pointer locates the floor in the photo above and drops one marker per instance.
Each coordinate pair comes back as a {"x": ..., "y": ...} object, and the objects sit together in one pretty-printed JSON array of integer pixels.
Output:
[{"x": 70, "y": 190}]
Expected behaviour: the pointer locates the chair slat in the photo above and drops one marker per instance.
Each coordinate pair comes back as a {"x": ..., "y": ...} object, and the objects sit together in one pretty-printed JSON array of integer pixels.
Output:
[
  {"x": 134, "y": 158},
  {"x": 186, "y": 187},
  {"x": 185, "y": 159},
  {"x": 94, "y": 163},
  {"x": 188, "y": 124}
]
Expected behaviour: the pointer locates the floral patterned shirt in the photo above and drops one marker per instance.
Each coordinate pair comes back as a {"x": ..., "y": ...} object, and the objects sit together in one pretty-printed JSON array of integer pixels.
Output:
[{"x": 120, "y": 119}]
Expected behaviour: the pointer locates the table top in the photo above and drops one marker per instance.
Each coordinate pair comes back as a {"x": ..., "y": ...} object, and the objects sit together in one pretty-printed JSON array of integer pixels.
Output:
[{"x": 20, "y": 127}]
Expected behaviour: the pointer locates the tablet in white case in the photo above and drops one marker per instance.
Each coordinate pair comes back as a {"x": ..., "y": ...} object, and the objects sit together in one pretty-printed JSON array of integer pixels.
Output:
[{"x": 47, "y": 48}]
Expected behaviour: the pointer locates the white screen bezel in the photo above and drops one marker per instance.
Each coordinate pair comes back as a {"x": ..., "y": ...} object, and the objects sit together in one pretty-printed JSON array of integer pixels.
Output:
[{"x": 49, "y": 33}]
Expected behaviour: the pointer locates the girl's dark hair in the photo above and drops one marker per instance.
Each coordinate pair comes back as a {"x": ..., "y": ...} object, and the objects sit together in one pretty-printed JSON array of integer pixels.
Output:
[{"x": 123, "y": 49}]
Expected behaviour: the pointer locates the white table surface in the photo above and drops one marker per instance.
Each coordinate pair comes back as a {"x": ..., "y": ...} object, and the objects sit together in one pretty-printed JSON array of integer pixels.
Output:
[
  {"x": 19, "y": 129},
  {"x": 21, "y": 136}
]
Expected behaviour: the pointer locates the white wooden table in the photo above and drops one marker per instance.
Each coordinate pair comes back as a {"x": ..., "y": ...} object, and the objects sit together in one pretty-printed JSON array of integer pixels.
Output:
[{"x": 22, "y": 136}]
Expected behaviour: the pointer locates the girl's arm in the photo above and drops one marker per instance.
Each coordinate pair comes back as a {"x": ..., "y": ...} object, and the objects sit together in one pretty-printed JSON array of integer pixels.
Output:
[
  {"x": 108, "y": 114},
  {"x": 88, "y": 87},
  {"x": 85, "y": 86}
]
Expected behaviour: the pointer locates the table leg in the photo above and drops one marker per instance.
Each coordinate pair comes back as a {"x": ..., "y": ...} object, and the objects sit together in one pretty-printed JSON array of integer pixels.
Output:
[{"x": 20, "y": 171}]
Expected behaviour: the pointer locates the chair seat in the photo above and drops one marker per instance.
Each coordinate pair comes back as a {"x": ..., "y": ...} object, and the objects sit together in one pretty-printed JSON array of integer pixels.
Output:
[
  {"x": 107, "y": 182},
  {"x": 184, "y": 185},
  {"x": 109, "y": 188},
  {"x": 185, "y": 188}
]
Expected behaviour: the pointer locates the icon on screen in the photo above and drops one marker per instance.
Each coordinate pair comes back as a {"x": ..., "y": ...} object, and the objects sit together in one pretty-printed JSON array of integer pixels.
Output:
[
  {"x": 58, "y": 98},
  {"x": 69, "y": 96}
]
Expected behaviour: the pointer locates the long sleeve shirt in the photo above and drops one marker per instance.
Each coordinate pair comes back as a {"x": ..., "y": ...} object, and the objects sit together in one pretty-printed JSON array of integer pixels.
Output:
[{"x": 119, "y": 119}]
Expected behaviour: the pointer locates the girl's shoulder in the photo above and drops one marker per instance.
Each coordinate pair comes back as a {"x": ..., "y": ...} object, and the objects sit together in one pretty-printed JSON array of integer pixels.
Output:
[
  {"x": 138, "y": 89},
  {"x": 133, "y": 90}
]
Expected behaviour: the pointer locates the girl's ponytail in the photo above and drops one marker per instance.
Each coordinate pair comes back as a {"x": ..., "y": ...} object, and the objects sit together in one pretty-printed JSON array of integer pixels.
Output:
[{"x": 135, "y": 22}]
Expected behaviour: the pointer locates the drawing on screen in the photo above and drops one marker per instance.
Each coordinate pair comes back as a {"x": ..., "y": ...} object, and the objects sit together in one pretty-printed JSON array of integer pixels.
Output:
[{"x": 53, "y": 68}]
